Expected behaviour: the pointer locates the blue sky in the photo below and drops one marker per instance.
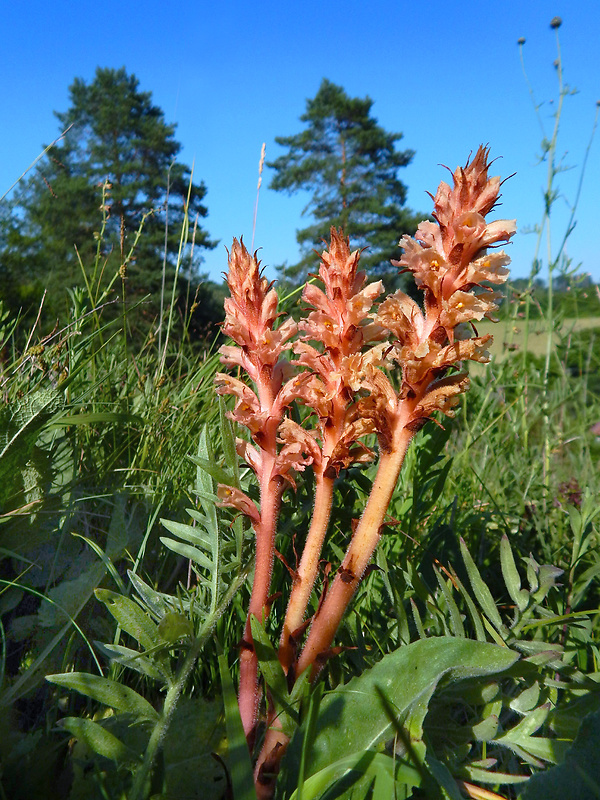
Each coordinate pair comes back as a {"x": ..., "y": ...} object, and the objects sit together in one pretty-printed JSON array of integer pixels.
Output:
[{"x": 233, "y": 75}]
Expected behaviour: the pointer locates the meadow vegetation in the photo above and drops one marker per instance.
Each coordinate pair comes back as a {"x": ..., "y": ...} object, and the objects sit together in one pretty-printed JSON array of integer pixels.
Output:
[{"x": 138, "y": 658}]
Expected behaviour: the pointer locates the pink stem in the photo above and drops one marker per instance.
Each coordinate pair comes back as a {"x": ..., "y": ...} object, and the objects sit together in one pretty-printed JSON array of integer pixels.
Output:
[
  {"x": 360, "y": 550},
  {"x": 249, "y": 690},
  {"x": 306, "y": 575}
]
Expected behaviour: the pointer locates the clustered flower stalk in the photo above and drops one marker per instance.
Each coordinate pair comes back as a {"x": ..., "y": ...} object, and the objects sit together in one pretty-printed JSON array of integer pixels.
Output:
[{"x": 342, "y": 355}]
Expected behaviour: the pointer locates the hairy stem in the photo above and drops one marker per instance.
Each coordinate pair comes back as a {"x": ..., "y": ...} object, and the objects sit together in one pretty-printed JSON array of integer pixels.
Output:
[
  {"x": 306, "y": 575},
  {"x": 249, "y": 690},
  {"x": 360, "y": 550}
]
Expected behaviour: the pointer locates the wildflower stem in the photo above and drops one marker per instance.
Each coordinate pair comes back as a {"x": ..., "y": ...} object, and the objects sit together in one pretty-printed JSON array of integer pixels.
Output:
[
  {"x": 360, "y": 550},
  {"x": 306, "y": 575},
  {"x": 249, "y": 690}
]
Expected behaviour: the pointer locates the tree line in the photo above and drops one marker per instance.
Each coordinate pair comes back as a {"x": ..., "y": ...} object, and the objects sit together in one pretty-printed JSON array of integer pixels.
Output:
[{"x": 103, "y": 211}]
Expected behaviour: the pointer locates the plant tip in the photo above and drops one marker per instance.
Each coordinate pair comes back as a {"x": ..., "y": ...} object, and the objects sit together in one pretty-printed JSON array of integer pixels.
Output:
[
  {"x": 521, "y": 41},
  {"x": 555, "y": 23}
]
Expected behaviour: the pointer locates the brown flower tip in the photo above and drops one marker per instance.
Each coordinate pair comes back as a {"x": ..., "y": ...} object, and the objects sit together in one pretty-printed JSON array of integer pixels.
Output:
[
  {"x": 251, "y": 312},
  {"x": 555, "y": 23}
]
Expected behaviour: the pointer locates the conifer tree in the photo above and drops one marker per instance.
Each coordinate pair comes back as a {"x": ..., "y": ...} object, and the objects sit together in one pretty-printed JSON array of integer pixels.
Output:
[
  {"x": 116, "y": 166},
  {"x": 349, "y": 166}
]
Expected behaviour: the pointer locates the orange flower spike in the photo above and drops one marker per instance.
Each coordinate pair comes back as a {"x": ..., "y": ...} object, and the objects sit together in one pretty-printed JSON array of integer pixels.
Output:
[
  {"x": 448, "y": 259},
  {"x": 250, "y": 317},
  {"x": 341, "y": 323}
]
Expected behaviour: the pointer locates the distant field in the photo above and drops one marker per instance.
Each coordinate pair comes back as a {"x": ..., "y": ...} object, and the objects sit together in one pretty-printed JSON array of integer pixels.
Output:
[{"x": 509, "y": 334}]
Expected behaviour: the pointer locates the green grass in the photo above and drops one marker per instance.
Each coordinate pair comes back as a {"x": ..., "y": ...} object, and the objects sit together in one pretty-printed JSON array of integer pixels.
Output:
[{"x": 512, "y": 335}]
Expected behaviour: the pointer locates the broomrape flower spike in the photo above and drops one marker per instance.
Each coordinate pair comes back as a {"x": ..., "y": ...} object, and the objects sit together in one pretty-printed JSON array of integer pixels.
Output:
[
  {"x": 250, "y": 317},
  {"x": 342, "y": 351}
]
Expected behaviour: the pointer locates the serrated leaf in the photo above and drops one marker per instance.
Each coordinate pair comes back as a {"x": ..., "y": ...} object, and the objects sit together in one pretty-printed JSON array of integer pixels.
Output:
[
  {"x": 99, "y": 740},
  {"x": 109, "y": 693}
]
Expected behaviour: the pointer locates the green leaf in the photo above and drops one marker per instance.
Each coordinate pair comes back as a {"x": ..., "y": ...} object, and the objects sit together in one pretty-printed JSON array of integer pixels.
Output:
[
  {"x": 191, "y": 535},
  {"x": 367, "y": 763},
  {"x": 455, "y": 620},
  {"x": 218, "y": 474},
  {"x": 578, "y": 777},
  {"x": 270, "y": 665},
  {"x": 351, "y": 719},
  {"x": 155, "y": 602},
  {"x": 99, "y": 740},
  {"x": 109, "y": 693},
  {"x": 175, "y": 626},
  {"x": 274, "y": 676},
  {"x": 511, "y": 576},
  {"x": 131, "y": 659},
  {"x": 130, "y": 617},
  {"x": 187, "y": 551},
  {"x": 228, "y": 443},
  {"x": 480, "y": 589}
]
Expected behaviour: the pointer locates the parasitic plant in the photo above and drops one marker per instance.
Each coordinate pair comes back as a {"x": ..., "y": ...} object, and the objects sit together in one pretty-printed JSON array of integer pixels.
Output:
[{"x": 360, "y": 369}]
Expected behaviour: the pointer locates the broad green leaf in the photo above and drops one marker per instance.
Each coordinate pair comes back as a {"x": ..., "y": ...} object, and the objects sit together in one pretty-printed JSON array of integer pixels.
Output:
[
  {"x": 368, "y": 763},
  {"x": 109, "y": 693},
  {"x": 99, "y": 740},
  {"x": 350, "y": 717},
  {"x": 194, "y": 536},
  {"x": 130, "y": 617}
]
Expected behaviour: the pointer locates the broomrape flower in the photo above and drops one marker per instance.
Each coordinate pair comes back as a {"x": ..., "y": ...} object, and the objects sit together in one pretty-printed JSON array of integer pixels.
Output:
[
  {"x": 336, "y": 362},
  {"x": 451, "y": 265}
]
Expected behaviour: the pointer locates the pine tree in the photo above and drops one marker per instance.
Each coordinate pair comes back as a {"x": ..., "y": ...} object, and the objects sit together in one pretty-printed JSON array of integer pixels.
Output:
[
  {"x": 349, "y": 165},
  {"x": 114, "y": 170}
]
